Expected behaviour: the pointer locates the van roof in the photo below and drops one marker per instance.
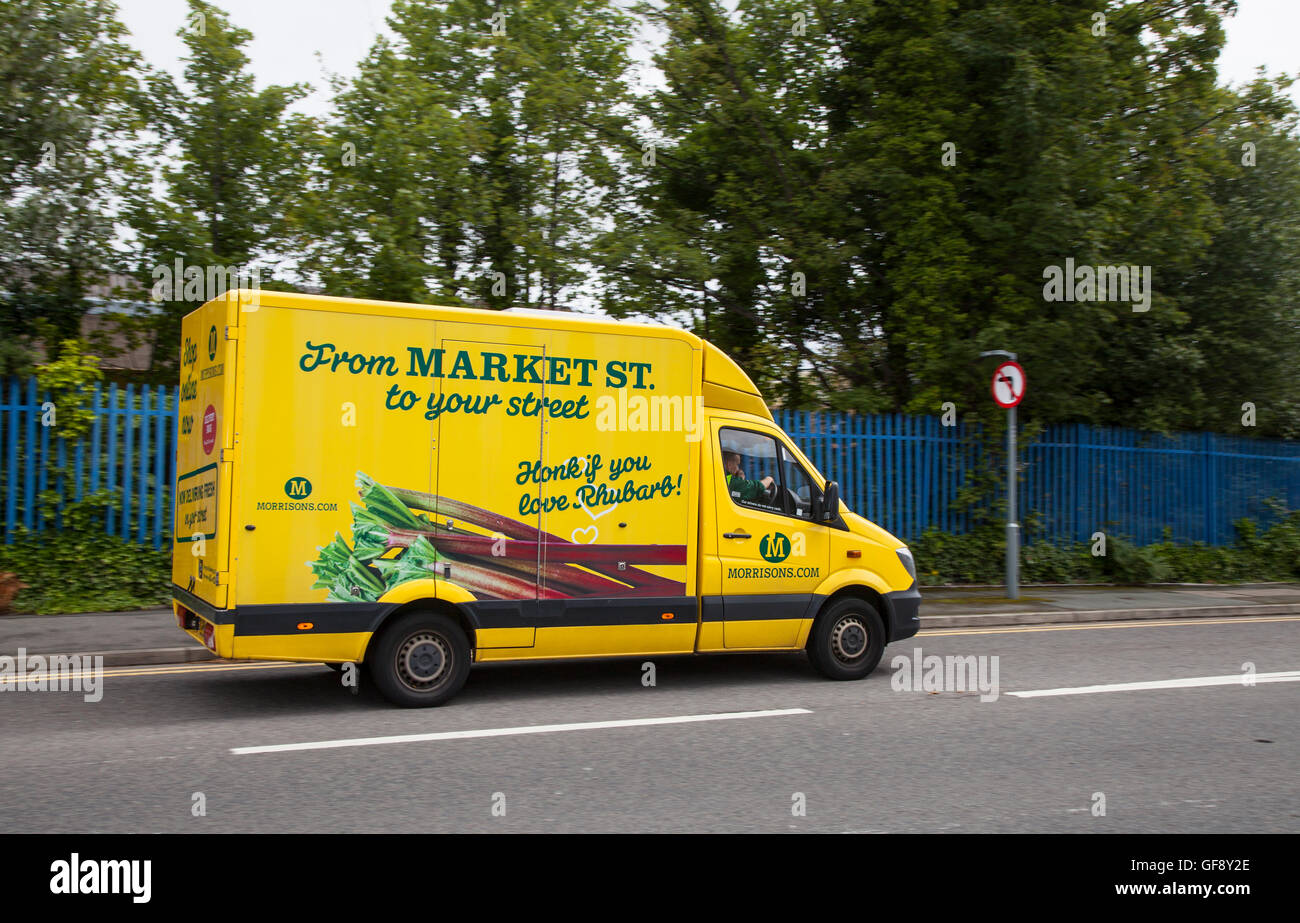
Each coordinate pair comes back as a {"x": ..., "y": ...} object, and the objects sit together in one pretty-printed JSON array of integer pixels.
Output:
[{"x": 512, "y": 317}]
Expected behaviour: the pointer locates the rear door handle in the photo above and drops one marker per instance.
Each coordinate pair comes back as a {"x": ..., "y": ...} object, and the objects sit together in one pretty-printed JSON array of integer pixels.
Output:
[{"x": 736, "y": 535}]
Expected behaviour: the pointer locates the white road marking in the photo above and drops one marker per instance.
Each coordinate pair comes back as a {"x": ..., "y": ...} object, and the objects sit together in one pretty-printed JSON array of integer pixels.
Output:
[
  {"x": 1235, "y": 679},
  {"x": 530, "y": 729}
]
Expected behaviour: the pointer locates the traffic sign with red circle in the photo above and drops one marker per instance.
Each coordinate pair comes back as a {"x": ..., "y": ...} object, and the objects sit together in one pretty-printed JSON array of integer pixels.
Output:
[{"x": 1008, "y": 385}]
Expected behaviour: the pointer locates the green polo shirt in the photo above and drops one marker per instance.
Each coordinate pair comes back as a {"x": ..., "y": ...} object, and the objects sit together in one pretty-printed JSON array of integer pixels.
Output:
[{"x": 743, "y": 489}]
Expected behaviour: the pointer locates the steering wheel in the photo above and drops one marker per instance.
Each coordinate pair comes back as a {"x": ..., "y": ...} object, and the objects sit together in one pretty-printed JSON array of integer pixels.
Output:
[{"x": 772, "y": 490}]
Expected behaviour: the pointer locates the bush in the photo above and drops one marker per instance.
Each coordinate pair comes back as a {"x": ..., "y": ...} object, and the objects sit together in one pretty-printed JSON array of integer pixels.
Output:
[
  {"x": 1201, "y": 563},
  {"x": 1125, "y": 562},
  {"x": 979, "y": 556},
  {"x": 1042, "y": 562},
  {"x": 976, "y": 557},
  {"x": 81, "y": 569}
]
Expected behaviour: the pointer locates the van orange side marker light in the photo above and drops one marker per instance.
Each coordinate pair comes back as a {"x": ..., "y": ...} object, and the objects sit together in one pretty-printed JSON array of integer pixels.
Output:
[
  {"x": 306, "y": 626},
  {"x": 855, "y": 554},
  {"x": 666, "y": 615}
]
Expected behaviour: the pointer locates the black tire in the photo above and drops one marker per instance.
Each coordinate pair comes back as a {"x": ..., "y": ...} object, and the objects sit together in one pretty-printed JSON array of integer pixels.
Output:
[
  {"x": 422, "y": 659},
  {"x": 847, "y": 640}
]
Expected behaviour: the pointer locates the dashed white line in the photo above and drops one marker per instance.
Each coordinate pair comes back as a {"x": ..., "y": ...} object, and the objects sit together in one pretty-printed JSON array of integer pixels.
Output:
[{"x": 528, "y": 729}]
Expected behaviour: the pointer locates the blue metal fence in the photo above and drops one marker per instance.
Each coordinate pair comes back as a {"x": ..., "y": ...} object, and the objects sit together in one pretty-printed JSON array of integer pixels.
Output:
[
  {"x": 129, "y": 451},
  {"x": 903, "y": 472}
]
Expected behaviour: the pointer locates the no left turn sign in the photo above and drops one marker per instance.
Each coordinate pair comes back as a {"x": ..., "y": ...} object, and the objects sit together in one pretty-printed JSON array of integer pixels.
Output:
[{"x": 1008, "y": 385}]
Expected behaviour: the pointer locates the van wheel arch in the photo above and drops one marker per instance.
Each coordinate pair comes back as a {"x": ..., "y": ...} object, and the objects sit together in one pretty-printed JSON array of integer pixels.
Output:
[
  {"x": 439, "y": 606},
  {"x": 864, "y": 593},
  {"x": 848, "y": 637}
]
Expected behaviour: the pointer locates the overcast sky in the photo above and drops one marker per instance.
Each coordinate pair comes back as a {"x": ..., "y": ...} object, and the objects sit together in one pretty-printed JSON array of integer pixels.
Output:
[{"x": 304, "y": 40}]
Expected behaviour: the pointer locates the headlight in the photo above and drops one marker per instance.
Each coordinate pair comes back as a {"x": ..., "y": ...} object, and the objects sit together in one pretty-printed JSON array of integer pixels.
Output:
[{"x": 905, "y": 555}]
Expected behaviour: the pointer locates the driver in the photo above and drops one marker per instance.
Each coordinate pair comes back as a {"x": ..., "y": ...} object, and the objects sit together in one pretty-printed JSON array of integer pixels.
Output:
[{"x": 738, "y": 486}]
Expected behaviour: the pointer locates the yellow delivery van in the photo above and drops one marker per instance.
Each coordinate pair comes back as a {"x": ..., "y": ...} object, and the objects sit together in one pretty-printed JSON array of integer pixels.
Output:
[{"x": 418, "y": 489}]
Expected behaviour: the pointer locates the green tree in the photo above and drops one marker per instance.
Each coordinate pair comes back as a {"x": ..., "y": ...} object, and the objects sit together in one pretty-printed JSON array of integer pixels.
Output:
[
  {"x": 480, "y": 159},
  {"x": 715, "y": 192},
  {"x": 228, "y": 163},
  {"x": 69, "y": 85},
  {"x": 921, "y": 163}
]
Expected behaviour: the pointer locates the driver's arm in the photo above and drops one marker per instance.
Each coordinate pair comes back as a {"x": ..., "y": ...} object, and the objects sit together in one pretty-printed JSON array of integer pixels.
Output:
[{"x": 744, "y": 489}]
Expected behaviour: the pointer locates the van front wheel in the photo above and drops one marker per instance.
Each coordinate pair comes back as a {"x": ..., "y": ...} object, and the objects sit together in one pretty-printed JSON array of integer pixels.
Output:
[
  {"x": 422, "y": 659},
  {"x": 847, "y": 640}
]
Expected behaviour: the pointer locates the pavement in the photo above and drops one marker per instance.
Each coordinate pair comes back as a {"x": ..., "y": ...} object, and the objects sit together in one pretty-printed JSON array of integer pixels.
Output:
[{"x": 151, "y": 636}]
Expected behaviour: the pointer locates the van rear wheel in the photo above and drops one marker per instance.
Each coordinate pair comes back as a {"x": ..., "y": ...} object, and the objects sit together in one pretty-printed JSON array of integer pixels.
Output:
[
  {"x": 420, "y": 660},
  {"x": 847, "y": 640}
]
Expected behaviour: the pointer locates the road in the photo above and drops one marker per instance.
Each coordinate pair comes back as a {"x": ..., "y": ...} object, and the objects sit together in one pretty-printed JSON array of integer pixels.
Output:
[{"x": 859, "y": 756}]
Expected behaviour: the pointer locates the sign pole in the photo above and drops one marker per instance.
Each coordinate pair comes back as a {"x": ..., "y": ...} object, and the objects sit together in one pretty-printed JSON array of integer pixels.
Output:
[
  {"x": 1013, "y": 525},
  {"x": 1011, "y": 377}
]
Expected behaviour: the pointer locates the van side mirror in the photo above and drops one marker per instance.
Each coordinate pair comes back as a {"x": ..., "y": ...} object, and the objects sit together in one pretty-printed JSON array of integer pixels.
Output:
[{"x": 830, "y": 506}]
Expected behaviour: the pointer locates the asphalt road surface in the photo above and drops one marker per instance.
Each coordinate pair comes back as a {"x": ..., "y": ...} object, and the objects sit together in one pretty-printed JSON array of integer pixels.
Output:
[{"x": 732, "y": 743}]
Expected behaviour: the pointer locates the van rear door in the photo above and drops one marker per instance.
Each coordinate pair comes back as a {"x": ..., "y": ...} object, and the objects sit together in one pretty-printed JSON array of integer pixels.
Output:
[{"x": 205, "y": 427}]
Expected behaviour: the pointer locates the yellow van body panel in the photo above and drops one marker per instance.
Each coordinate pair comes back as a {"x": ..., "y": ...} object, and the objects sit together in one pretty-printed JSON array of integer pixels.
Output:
[
  {"x": 341, "y": 647},
  {"x": 601, "y": 640},
  {"x": 727, "y": 387}
]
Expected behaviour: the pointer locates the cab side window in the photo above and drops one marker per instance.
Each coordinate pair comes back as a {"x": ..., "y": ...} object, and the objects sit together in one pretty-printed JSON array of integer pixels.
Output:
[
  {"x": 751, "y": 470},
  {"x": 801, "y": 494}
]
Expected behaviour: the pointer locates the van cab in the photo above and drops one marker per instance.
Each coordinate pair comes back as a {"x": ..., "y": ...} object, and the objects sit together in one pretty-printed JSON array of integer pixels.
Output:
[{"x": 418, "y": 489}]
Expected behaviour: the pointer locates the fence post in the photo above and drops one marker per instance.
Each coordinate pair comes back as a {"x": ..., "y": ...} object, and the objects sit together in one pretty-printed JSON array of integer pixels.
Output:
[
  {"x": 29, "y": 480},
  {"x": 1207, "y": 485},
  {"x": 110, "y": 457},
  {"x": 160, "y": 444},
  {"x": 128, "y": 441},
  {"x": 42, "y": 469},
  {"x": 11, "y": 474}
]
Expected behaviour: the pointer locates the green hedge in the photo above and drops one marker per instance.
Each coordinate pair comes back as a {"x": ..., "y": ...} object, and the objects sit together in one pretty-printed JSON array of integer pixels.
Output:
[
  {"x": 79, "y": 568},
  {"x": 1258, "y": 554}
]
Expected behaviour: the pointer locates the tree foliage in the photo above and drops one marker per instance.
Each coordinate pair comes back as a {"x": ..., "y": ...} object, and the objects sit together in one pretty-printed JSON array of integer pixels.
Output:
[
  {"x": 857, "y": 211},
  {"x": 466, "y": 163},
  {"x": 68, "y": 106},
  {"x": 225, "y": 159}
]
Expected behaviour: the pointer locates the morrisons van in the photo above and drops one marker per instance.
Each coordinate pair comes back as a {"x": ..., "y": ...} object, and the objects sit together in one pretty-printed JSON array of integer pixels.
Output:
[{"x": 419, "y": 489}]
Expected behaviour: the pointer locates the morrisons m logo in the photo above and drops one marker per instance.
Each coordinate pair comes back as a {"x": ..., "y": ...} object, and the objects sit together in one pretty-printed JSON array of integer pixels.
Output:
[
  {"x": 774, "y": 547},
  {"x": 297, "y": 488}
]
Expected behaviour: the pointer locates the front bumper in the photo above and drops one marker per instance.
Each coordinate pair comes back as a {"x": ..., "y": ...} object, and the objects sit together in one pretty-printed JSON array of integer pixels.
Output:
[{"x": 903, "y": 609}]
